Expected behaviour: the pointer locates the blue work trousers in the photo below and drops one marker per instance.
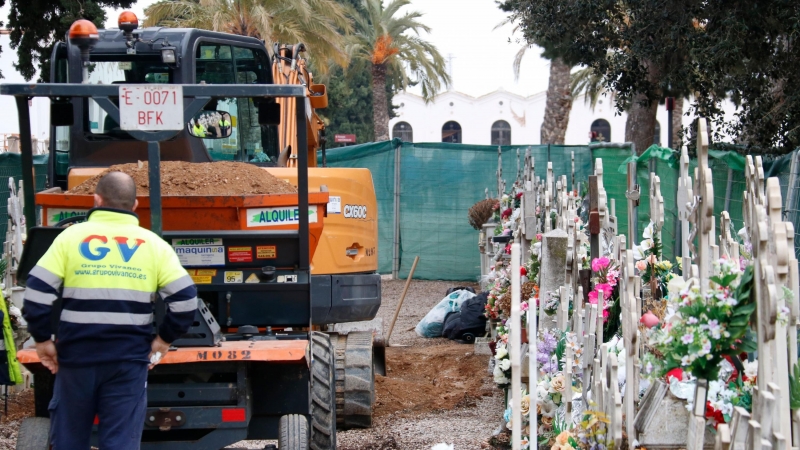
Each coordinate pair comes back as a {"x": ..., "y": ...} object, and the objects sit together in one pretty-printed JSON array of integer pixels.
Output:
[{"x": 116, "y": 393}]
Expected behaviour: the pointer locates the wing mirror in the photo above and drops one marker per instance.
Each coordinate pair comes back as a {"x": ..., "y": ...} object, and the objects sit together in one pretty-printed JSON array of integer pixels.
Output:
[{"x": 210, "y": 125}]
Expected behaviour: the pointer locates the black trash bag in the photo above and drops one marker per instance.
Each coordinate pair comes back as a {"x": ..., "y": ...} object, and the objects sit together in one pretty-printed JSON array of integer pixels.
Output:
[
  {"x": 459, "y": 288},
  {"x": 468, "y": 324}
]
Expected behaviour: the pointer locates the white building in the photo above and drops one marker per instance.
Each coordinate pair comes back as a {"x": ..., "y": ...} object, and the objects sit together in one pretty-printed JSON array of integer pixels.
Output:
[{"x": 505, "y": 118}]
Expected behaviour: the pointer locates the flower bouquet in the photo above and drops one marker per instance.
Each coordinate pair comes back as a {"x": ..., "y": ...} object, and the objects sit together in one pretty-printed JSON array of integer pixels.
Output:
[{"x": 707, "y": 327}]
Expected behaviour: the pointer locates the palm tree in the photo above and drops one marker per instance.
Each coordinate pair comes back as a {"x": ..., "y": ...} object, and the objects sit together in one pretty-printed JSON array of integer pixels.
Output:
[
  {"x": 316, "y": 23},
  {"x": 391, "y": 45},
  {"x": 558, "y": 104}
]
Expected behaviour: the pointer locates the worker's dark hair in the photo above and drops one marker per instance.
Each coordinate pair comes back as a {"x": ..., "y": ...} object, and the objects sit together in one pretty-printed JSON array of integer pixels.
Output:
[{"x": 118, "y": 190}]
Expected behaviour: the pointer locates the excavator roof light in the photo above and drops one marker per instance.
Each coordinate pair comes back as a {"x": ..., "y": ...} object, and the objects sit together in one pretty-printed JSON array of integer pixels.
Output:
[
  {"x": 83, "y": 29},
  {"x": 128, "y": 21}
]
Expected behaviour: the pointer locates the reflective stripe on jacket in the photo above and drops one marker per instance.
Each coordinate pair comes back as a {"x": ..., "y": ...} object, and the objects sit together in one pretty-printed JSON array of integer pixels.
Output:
[{"x": 107, "y": 271}]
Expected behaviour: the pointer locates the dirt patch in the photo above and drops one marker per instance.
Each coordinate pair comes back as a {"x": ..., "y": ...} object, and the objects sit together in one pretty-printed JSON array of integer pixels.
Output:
[
  {"x": 185, "y": 178},
  {"x": 20, "y": 406},
  {"x": 422, "y": 380}
]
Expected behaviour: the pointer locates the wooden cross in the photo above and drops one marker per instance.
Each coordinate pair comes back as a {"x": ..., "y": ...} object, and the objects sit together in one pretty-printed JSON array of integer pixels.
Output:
[
  {"x": 683, "y": 199},
  {"x": 550, "y": 183},
  {"x": 614, "y": 402},
  {"x": 727, "y": 243},
  {"x": 571, "y": 272},
  {"x": 739, "y": 428},
  {"x": 703, "y": 207},
  {"x": 500, "y": 184},
  {"x": 630, "y": 319},
  {"x": 632, "y": 194},
  {"x": 613, "y": 227},
  {"x": 656, "y": 205}
]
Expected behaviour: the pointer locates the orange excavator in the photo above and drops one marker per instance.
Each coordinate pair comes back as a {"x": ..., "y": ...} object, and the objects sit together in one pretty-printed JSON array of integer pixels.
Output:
[{"x": 277, "y": 274}]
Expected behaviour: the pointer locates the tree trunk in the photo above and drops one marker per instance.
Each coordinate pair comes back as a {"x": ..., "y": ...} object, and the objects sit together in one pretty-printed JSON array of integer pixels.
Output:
[
  {"x": 380, "y": 105},
  {"x": 559, "y": 103},
  {"x": 677, "y": 123},
  {"x": 640, "y": 128}
]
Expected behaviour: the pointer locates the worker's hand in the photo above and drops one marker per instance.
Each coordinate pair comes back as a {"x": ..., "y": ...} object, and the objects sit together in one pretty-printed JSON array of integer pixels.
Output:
[
  {"x": 47, "y": 355},
  {"x": 158, "y": 349}
]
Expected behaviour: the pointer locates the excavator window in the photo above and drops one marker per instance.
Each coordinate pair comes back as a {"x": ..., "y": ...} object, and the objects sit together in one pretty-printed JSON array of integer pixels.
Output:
[
  {"x": 144, "y": 69},
  {"x": 225, "y": 64}
]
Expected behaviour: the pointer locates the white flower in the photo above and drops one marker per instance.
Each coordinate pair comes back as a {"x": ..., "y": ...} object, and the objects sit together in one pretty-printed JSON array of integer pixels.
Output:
[
  {"x": 501, "y": 352},
  {"x": 638, "y": 253},
  {"x": 648, "y": 231},
  {"x": 685, "y": 361},
  {"x": 751, "y": 368},
  {"x": 675, "y": 286},
  {"x": 505, "y": 364}
]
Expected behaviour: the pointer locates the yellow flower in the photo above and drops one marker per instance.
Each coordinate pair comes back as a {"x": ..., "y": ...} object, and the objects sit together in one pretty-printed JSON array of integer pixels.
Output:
[
  {"x": 664, "y": 265},
  {"x": 562, "y": 442},
  {"x": 525, "y": 405},
  {"x": 563, "y": 438},
  {"x": 557, "y": 384}
]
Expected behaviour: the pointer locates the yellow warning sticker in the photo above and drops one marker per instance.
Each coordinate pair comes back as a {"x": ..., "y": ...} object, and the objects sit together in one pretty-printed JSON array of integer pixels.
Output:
[
  {"x": 252, "y": 279},
  {"x": 201, "y": 279},
  {"x": 234, "y": 277},
  {"x": 266, "y": 252},
  {"x": 206, "y": 272}
]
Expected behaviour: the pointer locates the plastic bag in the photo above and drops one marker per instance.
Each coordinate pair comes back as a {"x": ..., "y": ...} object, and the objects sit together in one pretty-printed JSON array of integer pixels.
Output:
[{"x": 431, "y": 325}]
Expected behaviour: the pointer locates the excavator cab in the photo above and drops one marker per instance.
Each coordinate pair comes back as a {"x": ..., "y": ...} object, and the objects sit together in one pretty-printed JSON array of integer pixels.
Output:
[{"x": 201, "y": 57}]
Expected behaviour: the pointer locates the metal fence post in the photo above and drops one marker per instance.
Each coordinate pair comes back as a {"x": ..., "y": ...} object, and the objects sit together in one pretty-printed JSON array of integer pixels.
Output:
[
  {"x": 396, "y": 233},
  {"x": 729, "y": 189},
  {"x": 790, "y": 207}
]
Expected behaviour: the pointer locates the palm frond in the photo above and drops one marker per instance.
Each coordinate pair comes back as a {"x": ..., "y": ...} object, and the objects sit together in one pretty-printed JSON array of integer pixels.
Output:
[{"x": 589, "y": 82}]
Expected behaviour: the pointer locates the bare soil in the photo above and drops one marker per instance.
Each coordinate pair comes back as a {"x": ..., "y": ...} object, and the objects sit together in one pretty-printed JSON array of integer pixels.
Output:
[
  {"x": 20, "y": 406},
  {"x": 427, "y": 379},
  {"x": 181, "y": 178}
]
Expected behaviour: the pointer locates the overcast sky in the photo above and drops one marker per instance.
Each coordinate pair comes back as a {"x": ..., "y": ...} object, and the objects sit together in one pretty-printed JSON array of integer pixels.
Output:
[{"x": 481, "y": 56}]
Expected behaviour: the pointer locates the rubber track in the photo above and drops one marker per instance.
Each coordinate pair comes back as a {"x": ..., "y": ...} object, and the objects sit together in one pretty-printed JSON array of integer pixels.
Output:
[
  {"x": 323, "y": 396},
  {"x": 294, "y": 432},
  {"x": 34, "y": 434},
  {"x": 340, "y": 347},
  {"x": 359, "y": 382}
]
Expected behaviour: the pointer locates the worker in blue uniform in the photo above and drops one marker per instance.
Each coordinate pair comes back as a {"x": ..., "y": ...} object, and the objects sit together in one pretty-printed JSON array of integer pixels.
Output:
[{"x": 106, "y": 271}]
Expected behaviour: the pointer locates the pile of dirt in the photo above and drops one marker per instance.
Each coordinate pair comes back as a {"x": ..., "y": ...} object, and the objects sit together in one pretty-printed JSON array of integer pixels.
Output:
[
  {"x": 421, "y": 380},
  {"x": 185, "y": 178}
]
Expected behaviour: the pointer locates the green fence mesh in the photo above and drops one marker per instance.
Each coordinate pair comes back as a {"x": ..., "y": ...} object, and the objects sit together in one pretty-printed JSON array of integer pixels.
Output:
[{"x": 439, "y": 182}]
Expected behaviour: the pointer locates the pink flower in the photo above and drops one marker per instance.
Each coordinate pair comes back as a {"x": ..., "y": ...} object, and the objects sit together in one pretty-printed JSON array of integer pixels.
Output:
[
  {"x": 612, "y": 276},
  {"x": 641, "y": 265},
  {"x": 606, "y": 288},
  {"x": 539, "y": 237},
  {"x": 599, "y": 264},
  {"x": 652, "y": 259},
  {"x": 577, "y": 219},
  {"x": 593, "y": 297},
  {"x": 605, "y": 314}
]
